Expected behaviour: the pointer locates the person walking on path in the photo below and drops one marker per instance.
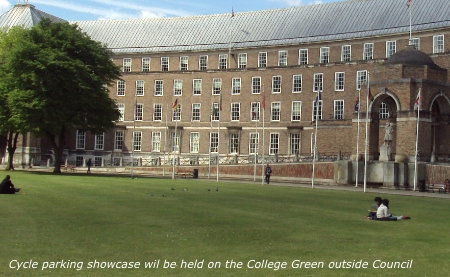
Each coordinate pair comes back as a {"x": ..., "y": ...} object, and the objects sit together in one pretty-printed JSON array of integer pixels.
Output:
[
  {"x": 89, "y": 164},
  {"x": 268, "y": 173}
]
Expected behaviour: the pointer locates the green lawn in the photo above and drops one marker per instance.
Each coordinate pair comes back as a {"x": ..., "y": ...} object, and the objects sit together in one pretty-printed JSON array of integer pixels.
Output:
[{"x": 86, "y": 221}]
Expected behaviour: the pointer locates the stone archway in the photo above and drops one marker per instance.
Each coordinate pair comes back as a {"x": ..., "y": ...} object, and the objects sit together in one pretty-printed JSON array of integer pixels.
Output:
[{"x": 439, "y": 110}]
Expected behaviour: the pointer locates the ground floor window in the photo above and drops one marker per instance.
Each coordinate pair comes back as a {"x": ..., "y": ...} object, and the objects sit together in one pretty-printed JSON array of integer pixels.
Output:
[{"x": 294, "y": 142}]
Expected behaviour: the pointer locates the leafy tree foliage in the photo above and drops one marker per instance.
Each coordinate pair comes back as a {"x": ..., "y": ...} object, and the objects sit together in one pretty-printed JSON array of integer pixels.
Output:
[{"x": 60, "y": 83}]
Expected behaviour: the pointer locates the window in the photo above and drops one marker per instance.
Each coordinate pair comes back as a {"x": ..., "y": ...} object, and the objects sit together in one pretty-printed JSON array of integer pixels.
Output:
[
  {"x": 140, "y": 88},
  {"x": 346, "y": 54},
  {"x": 297, "y": 83},
  {"x": 99, "y": 141},
  {"x": 118, "y": 140},
  {"x": 159, "y": 87},
  {"x": 254, "y": 107},
  {"x": 196, "y": 111},
  {"x": 256, "y": 85},
  {"x": 324, "y": 54},
  {"x": 126, "y": 65},
  {"x": 175, "y": 139},
  {"x": 318, "y": 82},
  {"x": 236, "y": 86},
  {"x": 282, "y": 58},
  {"x": 81, "y": 139},
  {"x": 121, "y": 109},
  {"x": 176, "y": 113},
  {"x": 361, "y": 78},
  {"x": 98, "y": 161},
  {"x": 303, "y": 56},
  {"x": 214, "y": 142},
  {"x": 223, "y": 60},
  {"x": 235, "y": 111},
  {"x": 276, "y": 84},
  {"x": 368, "y": 51},
  {"x": 139, "y": 112},
  {"x": 317, "y": 112},
  {"x": 215, "y": 114},
  {"x": 217, "y": 86},
  {"x": 157, "y": 112},
  {"x": 145, "y": 64},
  {"x": 184, "y": 63},
  {"x": 338, "y": 109},
  {"x": 339, "y": 80},
  {"x": 253, "y": 143},
  {"x": 275, "y": 111},
  {"x": 294, "y": 143},
  {"x": 164, "y": 63},
  {"x": 262, "y": 59},
  {"x": 156, "y": 141},
  {"x": 274, "y": 143},
  {"x": 242, "y": 60},
  {"x": 203, "y": 62},
  {"x": 438, "y": 44},
  {"x": 296, "y": 111},
  {"x": 177, "y": 87},
  {"x": 79, "y": 160},
  {"x": 234, "y": 143},
  {"x": 117, "y": 161},
  {"x": 415, "y": 42},
  {"x": 194, "y": 144},
  {"x": 383, "y": 111},
  {"x": 137, "y": 141},
  {"x": 390, "y": 48},
  {"x": 120, "y": 88},
  {"x": 197, "y": 86}
]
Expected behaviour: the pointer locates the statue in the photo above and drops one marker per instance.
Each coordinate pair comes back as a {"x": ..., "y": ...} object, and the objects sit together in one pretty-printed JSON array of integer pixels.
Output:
[{"x": 388, "y": 133}]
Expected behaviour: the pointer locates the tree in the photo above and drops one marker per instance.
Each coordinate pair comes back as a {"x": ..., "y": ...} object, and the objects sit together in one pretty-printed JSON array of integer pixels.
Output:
[
  {"x": 10, "y": 126},
  {"x": 61, "y": 83}
]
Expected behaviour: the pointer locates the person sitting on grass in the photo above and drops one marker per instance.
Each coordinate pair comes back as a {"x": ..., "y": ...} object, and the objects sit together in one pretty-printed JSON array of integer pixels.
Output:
[
  {"x": 373, "y": 212},
  {"x": 7, "y": 187},
  {"x": 384, "y": 215}
]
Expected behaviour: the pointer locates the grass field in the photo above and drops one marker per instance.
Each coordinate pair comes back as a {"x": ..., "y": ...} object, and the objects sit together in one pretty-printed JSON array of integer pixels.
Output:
[{"x": 87, "y": 223}]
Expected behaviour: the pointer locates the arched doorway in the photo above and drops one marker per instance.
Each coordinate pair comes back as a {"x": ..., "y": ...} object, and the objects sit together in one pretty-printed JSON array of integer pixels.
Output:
[{"x": 440, "y": 128}]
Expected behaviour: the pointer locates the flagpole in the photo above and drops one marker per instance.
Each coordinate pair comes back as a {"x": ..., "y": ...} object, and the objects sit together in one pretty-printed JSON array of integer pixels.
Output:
[
  {"x": 256, "y": 147},
  {"x": 315, "y": 137},
  {"x": 174, "y": 140},
  {"x": 417, "y": 142},
  {"x": 165, "y": 142},
  {"x": 357, "y": 139},
  {"x": 410, "y": 24},
  {"x": 366, "y": 140},
  {"x": 218, "y": 140},
  {"x": 133, "y": 139},
  {"x": 210, "y": 132},
  {"x": 263, "y": 142}
]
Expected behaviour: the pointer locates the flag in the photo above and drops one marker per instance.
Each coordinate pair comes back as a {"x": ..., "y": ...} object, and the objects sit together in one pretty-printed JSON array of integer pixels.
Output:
[
  {"x": 369, "y": 95},
  {"x": 318, "y": 97},
  {"x": 220, "y": 101},
  {"x": 417, "y": 102},
  {"x": 175, "y": 104},
  {"x": 357, "y": 104},
  {"x": 232, "y": 12},
  {"x": 263, "y": 102},
  {"x": 408, "y": 3},
  {"x": 215, "y": 111}
]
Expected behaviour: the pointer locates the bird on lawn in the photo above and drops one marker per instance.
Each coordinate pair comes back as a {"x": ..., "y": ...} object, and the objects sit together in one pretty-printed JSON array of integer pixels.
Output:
[
  {"x": 172, "y": 189},
  {"x": 217, "y": 189},
  {"x": 209, "y": 190},
  {"x": 163, "y": 195}
]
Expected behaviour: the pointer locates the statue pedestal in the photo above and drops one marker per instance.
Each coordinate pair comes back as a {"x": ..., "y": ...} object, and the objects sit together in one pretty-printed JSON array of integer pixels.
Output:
[{"x": 385, "y": 153}]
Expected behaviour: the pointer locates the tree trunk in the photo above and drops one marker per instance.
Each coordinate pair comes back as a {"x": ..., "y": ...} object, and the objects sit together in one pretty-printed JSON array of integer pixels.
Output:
[
  {"x": 58, "y": 147},
  {"x": 12, "y": 146}
]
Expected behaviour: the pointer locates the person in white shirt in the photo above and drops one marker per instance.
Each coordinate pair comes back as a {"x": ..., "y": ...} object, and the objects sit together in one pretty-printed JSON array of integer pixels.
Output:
[{"x": 384, "y": 215}]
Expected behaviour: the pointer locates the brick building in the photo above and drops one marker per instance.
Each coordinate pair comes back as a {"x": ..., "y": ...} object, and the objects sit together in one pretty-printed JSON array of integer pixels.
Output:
[{"x": 231, "y": 66}]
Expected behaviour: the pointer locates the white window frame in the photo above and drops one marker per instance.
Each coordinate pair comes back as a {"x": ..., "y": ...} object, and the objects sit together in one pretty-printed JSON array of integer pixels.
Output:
[
  {"x": 253, "y": 143},
  {"x": 145, "y": 62},
  {"x": 339, "y": 81},
  {"x": 242, "y": 60},
  {"x": 303, "y": 56},
  {"x": 157, "y": 112},
  {"x": 276, "y": 84},
  {"x": 294, "y": 143},
  {"x": 216, "y": 86},
  {"x": 223, "y": 61},
  {"x": 391, "y": 48},
  {"x": 118, "y": 140},
  {"x": 275, "y": 111},
  {"x": 159, "y": 88},
  {"x": 368, "y": 51},
  {"x": 383, "y": 112},
  {"x": 262, "y": 59},
  {"x": 177, "y": 87},
  {"x": 121, "y": 109},
  {"x": 121, "y": 86},
  {"x": 361, "y": 78},
  {"x": 176, "y": 113},
  {"x": 297, "y": 83},
  {"x": 256, "y": 85},
  {"x": 314, "y": 110},
  {"x": 416, "y": 43},
  {"x": 236, "y": 84},
  {"x": 346, "y": 53},
  {"x": 234, "y": 143},
  {"x": 140, "y": 89},
  {"x": 139, "y": 112},
  {"x": 184, "y": 63},
  {"x": 274, "y": 143},
  {"x": 203, "y": 62},
  {"x": 197, "y": 86},
  {"x": 339, "y": 109},
  {"x": 235, "y": 111},
  {"x": 81, "y": 139},
  {"x": 99, "y": 141},
  {"x": 438, "y": 44},
  {"x": 196, "y": 111},
  {"x": 137, "y": 141},
  {"x": 318, "y": 82},
  {"x": 296, "y": 111},
  {"x": 126, "y": 66},
  {"x": 324, "y": 54},
  {"x": 156, "y": 141},
  {"x": 164, "y": 63},
  {"x": 282, "y": 58},
  {"x": 213, "y": 142},
  {"x": 194, "y": 142}
]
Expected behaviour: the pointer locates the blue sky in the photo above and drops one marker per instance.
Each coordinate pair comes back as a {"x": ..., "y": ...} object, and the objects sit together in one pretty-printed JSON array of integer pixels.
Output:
[{"x": 77, "y": 10}]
